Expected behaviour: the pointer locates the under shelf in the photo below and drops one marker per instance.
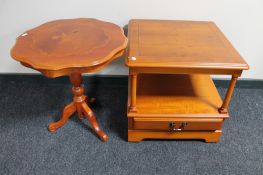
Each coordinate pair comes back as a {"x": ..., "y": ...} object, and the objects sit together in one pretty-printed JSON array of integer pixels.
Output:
[{"x": 177, "y": 94}]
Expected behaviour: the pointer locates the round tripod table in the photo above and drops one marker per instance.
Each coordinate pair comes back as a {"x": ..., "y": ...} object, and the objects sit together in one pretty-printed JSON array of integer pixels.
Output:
[{"x": 71, "y": 47}]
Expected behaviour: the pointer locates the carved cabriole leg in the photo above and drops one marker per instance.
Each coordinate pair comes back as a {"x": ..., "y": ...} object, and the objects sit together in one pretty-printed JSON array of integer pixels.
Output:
[
  {"x": 133, "y": 87},
  {"x": 93, "y": 122},
  {"x": 80, "y": 105},
  {"x": 81, "y": 102},
  {"x": 68, "y": 111},
  {"x": 224, "y": 107}
]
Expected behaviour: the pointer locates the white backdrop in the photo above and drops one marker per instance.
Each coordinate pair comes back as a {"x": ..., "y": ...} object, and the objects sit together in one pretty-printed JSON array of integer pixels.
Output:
[{"x": 240, "y": 20}]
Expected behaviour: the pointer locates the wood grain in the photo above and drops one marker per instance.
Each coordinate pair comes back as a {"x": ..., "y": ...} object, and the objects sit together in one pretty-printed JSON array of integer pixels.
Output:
[
  {"x": 180, "y": 44},
  {"x": 176, "y": 94},
  {"x": 173, "y": 96},
  {"x": 80, "y": 106},
  {"x": 139, "y": 135},
  {"x": 71, "y": 47},
  {"x": 230, "y": 90},
  {"x": 163, "y": 99},
  {"x": 69, "y": 44},
  {"x": 163, "y": 124}
]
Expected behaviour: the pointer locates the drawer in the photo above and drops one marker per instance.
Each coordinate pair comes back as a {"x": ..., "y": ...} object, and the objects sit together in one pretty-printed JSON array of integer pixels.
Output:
[{"x": 177, "y": 124}]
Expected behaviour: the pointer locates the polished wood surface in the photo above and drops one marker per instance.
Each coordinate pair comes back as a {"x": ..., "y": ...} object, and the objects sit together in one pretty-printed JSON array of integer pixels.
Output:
[
  {"x": 230, "y": 90},
  {"x": 171, "y": 95},
  {"x": 187, "y": 102},
  {"x": 168, "y": 103},
  {"x": 208, "y": 136},
  {"x": 133, "y": 79},
  {"x": 80, "y": 106},
  {"x": 186, "y": 124},
  {"x": 79, "y": 70},
  {"x": 180, "y": 44},
  {"x": 176, "y": 94},
  {"x": 69, "y": 45}
]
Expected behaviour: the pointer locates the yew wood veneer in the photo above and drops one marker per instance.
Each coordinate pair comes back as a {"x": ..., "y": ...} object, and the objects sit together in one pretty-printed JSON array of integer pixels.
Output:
[
  {"x": 171, "y": 94},
  {"x": 71, "y": 47}
]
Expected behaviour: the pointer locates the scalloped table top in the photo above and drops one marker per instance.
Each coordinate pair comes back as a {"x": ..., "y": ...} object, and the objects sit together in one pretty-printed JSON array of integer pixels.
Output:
[{"x": 67, "y": 46}]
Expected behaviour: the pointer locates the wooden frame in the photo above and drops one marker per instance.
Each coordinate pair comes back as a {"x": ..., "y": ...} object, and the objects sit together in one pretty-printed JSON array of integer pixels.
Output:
[{"x": 169, "y": 47}]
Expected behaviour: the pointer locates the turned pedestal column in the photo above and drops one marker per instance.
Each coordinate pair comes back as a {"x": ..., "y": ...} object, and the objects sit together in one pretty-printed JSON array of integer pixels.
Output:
[{"x": 80, "y": 105}]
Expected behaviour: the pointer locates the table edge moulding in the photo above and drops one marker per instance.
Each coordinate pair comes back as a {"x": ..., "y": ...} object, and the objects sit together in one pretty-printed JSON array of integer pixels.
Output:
[
  {"x": 27, "y": 53},
  {"x": 137, "y": 60}
]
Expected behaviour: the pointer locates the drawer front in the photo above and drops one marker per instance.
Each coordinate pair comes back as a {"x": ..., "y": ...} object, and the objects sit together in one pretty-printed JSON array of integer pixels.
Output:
[{"x": 178, "y": 124}]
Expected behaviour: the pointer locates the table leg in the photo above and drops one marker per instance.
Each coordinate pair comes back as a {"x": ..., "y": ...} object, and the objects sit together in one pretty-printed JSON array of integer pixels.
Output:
[
  {"x": 230, "y": 90},
  {"x": 93, "y": 122},
  {"x": 68, "y": 111},
  {"x": 133, "y": 87},
  {"x": 79, "y": 104}
]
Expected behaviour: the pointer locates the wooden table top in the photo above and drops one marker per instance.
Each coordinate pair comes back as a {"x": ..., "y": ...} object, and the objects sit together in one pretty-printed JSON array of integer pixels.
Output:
[
  {"x": 180, "y": 44},
  {"x": 63, "y": 46}
]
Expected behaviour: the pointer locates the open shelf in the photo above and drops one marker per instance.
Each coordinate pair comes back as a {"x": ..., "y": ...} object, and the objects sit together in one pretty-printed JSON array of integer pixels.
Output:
[{"x": 177, "y": 94}]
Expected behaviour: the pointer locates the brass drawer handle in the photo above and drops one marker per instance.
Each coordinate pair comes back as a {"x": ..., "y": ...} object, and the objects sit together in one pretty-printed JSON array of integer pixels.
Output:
[{"x": 172, "y": 126}]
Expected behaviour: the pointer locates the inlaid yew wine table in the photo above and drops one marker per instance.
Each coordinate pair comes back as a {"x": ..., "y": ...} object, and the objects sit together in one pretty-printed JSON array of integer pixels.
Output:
[
  {"x": 71, "y": 47},
  {"x": 171, "y": 94}
]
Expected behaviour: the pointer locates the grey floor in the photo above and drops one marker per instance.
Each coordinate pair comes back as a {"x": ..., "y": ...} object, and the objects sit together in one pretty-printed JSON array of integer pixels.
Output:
[{"x": 29, "y": 103}]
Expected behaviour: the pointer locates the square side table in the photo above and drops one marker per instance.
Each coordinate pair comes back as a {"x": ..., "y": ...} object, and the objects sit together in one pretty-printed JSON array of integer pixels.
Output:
[{"x": 171, "y": 94}]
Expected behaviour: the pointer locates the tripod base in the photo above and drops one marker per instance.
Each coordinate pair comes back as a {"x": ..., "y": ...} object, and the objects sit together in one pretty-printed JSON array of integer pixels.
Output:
[{"x": 79, "y": 105}]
